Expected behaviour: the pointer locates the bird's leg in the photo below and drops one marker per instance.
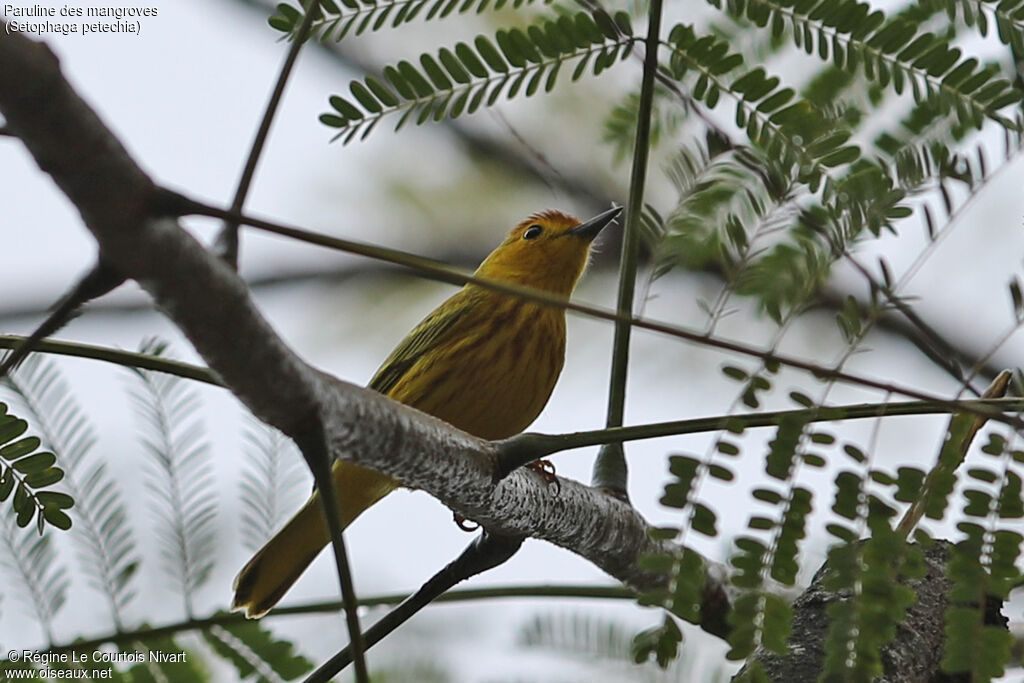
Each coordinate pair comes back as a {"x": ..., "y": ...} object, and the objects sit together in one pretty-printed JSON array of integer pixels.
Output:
[
  {"x": 546, "y": 469},
  {"x": 463, "y": 523}
]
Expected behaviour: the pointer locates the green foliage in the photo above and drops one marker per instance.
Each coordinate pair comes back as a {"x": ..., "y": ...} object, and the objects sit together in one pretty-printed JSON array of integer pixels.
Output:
[
  {"x": 799, "y": 146},
  {"x": 660, "y": 643},
  {"x": 104, "y": 539},
  {"x": 801, "y": 139},
  {"x": 1007, "y": 16},
  {"x": 861, "y": 625},
  {"x": 759, "y": 618},
  {"x": 107, "y": 550},
  {"x": 891, "y": 52},
  {"x": 782, "y": 449},
  {"x": 807, "y": 170},
  {"x": 620, "y": 124},
  {"x": 975, "y": 646},
  {"x": 797, "y": 169},
  {"x": 460, "y": 80},
  {"x": 941, "y": 480},
  {"x": 579, "y": 633},
  {"x": 687, "y": 594},
  {"x": 350, "y": 18},
  {"x": 27, "y": 473},
  {"x": 724, "y": 204},
  {"x": 255, "y": 652},
  {"x": 686, "y": 469},
  {"x": 983, "y": 565}
]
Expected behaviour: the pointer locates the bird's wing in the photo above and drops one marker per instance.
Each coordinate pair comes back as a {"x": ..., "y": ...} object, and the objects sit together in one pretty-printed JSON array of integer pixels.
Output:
[{"x": 436, "y": 329}]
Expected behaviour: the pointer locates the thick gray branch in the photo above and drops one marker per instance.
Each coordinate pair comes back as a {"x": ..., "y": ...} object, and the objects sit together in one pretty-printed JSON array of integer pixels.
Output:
[
  {"x": 460, "y": 471},
  {"x": 209, "y": 302}
]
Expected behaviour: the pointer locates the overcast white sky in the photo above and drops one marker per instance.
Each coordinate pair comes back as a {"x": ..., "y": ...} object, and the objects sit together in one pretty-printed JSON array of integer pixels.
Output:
[{"x": 185, "y": 97}]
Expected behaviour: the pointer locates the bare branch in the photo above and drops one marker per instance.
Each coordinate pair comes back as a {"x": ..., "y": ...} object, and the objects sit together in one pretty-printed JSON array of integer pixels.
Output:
[{"x": 227, "y": 240}]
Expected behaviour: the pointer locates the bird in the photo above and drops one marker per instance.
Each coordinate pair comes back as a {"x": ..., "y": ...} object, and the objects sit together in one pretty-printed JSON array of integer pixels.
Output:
[{"x": 484, "y": 361}]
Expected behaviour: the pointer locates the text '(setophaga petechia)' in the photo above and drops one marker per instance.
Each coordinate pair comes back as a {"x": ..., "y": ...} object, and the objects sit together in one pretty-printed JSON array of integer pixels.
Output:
[{"x": 483, "y": 361}]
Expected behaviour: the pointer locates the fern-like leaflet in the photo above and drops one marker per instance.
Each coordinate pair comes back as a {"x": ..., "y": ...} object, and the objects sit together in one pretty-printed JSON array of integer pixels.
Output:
[
  {"x": 254, "y": 651},
  {"x": 271, "y": 474},
  {"x": 351, "y": 18},
  {"x": 892, "y": 53},
  {"x": 461, "y": 80},
  {"x": 27, "y": 473},
  {"x": 180, "y": 475},
  {"x": 104, "y": 538},
  {"x": 43, "y": 581}
]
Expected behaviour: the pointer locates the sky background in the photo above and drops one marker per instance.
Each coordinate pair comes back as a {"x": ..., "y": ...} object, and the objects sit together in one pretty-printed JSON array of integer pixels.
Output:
[{"x": 185, "y": 97}]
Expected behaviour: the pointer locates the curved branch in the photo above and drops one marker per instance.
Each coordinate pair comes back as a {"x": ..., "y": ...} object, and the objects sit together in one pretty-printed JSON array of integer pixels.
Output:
[{"x": 210, "y": 303}]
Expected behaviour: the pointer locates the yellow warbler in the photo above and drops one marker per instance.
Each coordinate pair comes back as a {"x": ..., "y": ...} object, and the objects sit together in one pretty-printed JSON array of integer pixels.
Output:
[{"x": 483, "y": 361}]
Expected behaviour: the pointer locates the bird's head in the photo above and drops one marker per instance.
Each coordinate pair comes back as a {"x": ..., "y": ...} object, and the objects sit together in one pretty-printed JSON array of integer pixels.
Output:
[{"x": 548, "y": 251}]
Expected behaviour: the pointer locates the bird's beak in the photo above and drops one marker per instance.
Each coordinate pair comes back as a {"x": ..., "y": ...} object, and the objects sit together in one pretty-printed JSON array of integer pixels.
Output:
[{"x": 589, "y": 230}]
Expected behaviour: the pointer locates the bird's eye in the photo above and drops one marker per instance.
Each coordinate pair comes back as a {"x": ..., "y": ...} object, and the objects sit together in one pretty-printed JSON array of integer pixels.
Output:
[{"x": 533, "y": 232}]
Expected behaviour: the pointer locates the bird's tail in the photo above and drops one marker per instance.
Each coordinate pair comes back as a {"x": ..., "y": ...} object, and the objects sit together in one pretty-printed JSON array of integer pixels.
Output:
[{"x": 279, "y": 563}]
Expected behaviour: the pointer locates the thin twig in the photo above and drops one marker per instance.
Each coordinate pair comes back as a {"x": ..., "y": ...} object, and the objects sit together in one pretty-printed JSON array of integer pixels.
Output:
[
  {"x": 959, "y": 435},
  {"x": 183, "y": 205},
  {"x": 312, "y": 441},
  {"x": 610, "y": 471},
  {"x": 100, "y": 280},
  {"x": 227, "y": 240},
  {"x": 529, "y": 446},
  {"x": 127, "y": 359},
  {"x": 945, "y": 355},
  {"x": 576, "y": 439}
]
